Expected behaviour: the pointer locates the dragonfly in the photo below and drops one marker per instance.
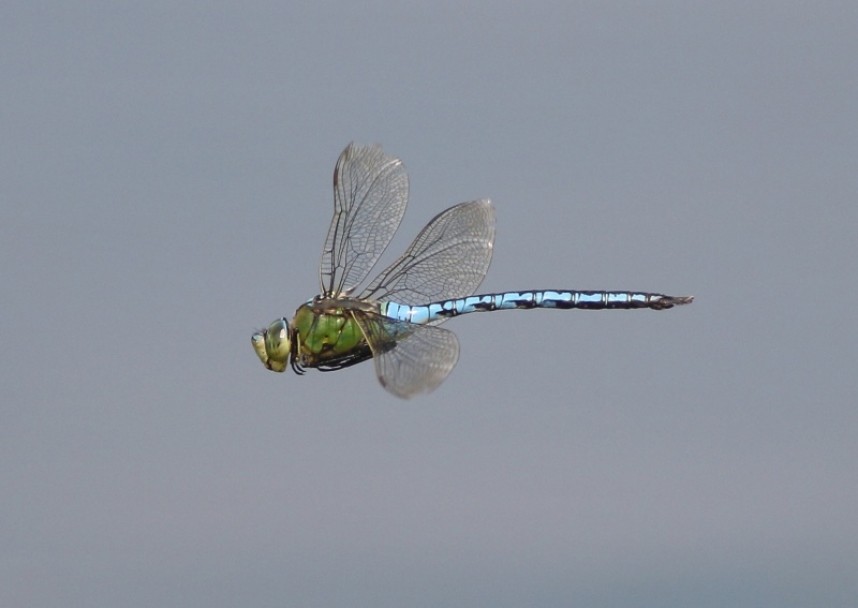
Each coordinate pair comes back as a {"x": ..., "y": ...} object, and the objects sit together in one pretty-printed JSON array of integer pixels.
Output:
[{"x": 395, "y": 319}]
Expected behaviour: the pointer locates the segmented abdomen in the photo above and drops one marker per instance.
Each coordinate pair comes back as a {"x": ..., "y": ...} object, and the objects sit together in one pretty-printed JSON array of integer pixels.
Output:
[{"x": 590, "y": 300}]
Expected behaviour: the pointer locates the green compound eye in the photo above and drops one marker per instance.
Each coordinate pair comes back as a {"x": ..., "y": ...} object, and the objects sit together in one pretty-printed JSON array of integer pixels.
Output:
[{"x": 273, "y": 345}]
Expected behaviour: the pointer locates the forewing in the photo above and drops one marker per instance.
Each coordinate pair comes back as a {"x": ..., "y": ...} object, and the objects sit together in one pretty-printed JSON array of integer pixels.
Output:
[
  {"x": 448, "y": 259},
  {"x": 370, "y": 196},
  {"x": 409, "y": 359}
]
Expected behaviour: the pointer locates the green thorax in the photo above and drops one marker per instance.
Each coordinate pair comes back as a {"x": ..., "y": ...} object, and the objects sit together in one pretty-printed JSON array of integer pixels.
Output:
[{"x": 326, "y": 335}]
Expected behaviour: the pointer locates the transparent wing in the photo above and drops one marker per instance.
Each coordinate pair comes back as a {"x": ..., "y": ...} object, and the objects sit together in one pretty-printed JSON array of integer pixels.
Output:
[
  {"x": 409, "y": 359},
  {"x": 448, "y": 259},
  {"x": 370, "y": 196}
]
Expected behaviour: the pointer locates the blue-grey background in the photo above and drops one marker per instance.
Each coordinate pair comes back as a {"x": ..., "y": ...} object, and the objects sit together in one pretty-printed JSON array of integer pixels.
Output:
[{"x": 166, "y": 188}]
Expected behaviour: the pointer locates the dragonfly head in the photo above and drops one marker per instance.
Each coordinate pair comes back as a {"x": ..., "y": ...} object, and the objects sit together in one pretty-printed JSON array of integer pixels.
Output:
[{"x": 273, "y": 345}]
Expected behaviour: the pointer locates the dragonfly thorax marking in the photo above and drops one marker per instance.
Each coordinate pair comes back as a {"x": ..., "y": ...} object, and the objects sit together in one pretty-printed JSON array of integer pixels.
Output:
[{"x": 327, "y": 336}]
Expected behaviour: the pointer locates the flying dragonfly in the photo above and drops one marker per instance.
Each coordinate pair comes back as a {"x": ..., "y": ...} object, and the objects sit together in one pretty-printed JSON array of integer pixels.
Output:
[{"x": 395, "y": 320}]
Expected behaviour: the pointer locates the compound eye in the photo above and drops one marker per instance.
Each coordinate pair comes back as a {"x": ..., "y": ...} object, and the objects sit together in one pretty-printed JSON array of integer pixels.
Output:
[
  {"x": 273, "y": 345},
  {"x": 278, "y": 343}
]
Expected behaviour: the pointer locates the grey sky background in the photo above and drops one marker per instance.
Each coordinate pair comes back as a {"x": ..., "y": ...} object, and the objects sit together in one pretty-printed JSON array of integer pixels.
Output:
[{"x": 165, "y": 189}]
